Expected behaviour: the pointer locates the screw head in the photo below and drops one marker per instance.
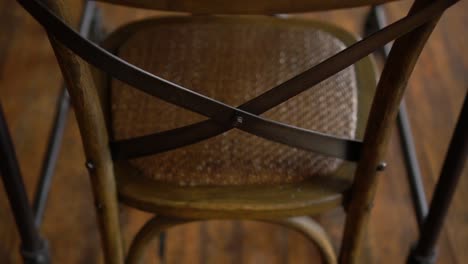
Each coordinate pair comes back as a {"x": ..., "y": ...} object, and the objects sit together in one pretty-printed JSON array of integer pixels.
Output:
[
  {"x": 41, "y": 258},
  {"x": 238, "y": 120},
  {"x": 90, "y": 165},
  {"x": 381, "y": 166}
]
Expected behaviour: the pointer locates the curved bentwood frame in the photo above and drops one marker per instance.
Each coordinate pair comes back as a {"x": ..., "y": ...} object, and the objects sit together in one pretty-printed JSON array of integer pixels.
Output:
[{"x": 410, "y": 33}]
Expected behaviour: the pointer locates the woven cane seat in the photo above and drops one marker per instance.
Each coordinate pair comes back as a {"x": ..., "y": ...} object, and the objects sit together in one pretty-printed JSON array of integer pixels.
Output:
[{"x": 234, "y": 60}]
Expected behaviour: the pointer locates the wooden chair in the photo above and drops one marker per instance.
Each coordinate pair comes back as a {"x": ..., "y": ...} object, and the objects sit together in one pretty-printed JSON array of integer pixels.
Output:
[{"x": 188, "y": 157}]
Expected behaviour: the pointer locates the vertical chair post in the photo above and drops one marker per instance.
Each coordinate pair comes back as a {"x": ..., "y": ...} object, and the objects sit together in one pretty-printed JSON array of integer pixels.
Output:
[
  {"x": 392, "y": 84},
  {"x": 87, "y": 25},
  {"x": 91, "y": 121},
  {"x": 95, "y": 142},
  {"x": 375, "y": 21}
]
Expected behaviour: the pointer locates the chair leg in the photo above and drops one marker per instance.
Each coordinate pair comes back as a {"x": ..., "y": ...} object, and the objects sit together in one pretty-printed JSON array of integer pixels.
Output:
[
  {"x": 107, "y": 211},
  {"x": 314, "y": 232},
  {"x": 148, "y": 233}
]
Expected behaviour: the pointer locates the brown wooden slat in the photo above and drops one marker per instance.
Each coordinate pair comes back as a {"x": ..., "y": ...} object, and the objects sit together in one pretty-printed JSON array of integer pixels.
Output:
[{"x": 244, "y": 6}]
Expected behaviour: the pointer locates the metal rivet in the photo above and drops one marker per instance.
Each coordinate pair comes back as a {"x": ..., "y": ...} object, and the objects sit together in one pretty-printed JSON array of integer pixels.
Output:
[
  {"x": 381, "y": 166},
  {"x": 90, "y": 165},
  {"x": 41, "y": 258},
  {"x": 238, "y": 120}
]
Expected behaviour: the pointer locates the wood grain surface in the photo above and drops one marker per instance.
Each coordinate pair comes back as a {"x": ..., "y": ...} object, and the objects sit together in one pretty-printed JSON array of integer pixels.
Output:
[{"x": 29, "y": 86}]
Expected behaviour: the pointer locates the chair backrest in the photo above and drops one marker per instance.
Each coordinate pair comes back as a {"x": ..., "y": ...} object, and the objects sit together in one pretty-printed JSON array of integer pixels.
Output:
[
  {"x": 73, "y": 53},
  {"x": 246, "y": 116},
  {"x": 245, "y": 6}
]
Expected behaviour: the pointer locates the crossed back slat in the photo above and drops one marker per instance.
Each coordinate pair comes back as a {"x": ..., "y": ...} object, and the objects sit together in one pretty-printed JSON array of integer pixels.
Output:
[
  {"x": 223, "y": 115},
  {"x": 245, "y": 6}
]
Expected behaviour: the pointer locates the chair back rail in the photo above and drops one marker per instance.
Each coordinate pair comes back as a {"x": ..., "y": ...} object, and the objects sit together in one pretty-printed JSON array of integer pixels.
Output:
[{"x": 245, "y": 6}]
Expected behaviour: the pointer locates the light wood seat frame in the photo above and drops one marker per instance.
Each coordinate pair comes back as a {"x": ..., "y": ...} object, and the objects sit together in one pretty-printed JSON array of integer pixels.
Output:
[{"x": 110, "y": 177}]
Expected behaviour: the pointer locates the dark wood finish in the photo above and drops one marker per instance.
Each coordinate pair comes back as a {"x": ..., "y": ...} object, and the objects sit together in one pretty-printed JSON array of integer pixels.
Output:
[
  {"x": 86, "y": 102},
  {"x": 244, "y": 6},
  {"x": 392, "y": 84},
  {"x": 75, "y": 168}
]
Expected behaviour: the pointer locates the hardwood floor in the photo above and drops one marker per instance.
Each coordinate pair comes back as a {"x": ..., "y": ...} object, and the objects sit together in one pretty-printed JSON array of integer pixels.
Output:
[{"x": 29, "y": 86}]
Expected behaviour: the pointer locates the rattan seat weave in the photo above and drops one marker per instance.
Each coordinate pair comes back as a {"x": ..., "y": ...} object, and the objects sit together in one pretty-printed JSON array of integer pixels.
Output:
[{"x": 234, "y": 62}]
